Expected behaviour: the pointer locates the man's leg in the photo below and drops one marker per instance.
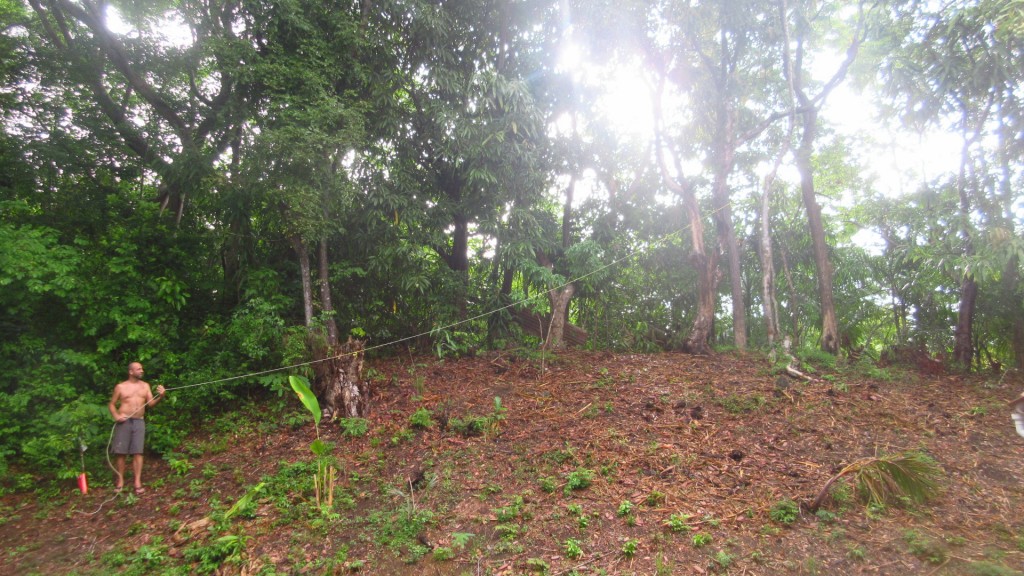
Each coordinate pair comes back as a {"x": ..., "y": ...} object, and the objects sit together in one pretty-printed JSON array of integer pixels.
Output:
[
  {"x": 137, "y": 469},
  {"x": 119, "y": 466}
]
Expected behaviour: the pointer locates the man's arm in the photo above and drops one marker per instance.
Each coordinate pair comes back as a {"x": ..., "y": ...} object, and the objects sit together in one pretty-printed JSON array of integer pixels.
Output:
[
  {"x": 113, "y": 404},
  {"x": 160, "y": 391}
]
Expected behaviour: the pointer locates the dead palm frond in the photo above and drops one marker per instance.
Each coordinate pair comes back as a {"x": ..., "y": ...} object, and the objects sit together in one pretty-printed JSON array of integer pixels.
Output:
[{"x": 886, "y": 479}]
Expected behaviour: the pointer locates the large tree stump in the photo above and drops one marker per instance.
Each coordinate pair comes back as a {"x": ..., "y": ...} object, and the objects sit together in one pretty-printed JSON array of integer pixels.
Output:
[{"x": 340, "y": 387}]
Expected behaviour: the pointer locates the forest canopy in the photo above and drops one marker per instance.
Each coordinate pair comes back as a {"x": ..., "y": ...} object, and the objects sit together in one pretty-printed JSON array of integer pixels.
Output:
[{"x": 226, "y": 188}]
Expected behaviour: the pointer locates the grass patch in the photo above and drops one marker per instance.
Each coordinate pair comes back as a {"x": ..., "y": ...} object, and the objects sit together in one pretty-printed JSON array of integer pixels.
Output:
[{"x": 737, "y": 404}]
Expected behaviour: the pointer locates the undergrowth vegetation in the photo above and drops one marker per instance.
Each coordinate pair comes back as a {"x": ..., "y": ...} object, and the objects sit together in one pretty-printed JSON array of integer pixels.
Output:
[{"x": 533, "y": 487}]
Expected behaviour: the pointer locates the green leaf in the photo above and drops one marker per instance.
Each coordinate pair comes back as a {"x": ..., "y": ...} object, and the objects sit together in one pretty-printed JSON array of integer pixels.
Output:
[
  {"x": 319, "y": 447},
  {"x": 301, "y": 387},
  {"x": 244, "y": 501}
]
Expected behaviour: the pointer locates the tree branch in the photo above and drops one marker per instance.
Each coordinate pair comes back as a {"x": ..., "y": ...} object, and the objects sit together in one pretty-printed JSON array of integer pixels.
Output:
[{"x": 115, "y": 51}]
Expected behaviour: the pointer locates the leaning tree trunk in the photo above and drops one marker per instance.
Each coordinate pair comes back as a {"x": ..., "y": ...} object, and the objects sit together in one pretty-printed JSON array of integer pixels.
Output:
[
  {"x": 1011, "y": 276},
  {"x": 698, "y": 341},
  {"x": 706, "y": 265},
  {"x": 809, "y": 115},
  {"x": 560, "y": 298},
  {"x": 829, "y": 324}
]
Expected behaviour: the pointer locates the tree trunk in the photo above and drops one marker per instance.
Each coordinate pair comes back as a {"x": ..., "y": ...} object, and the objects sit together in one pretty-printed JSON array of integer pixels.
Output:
[
  {"x": 698, "y": 341},
  {"x": 325, "y": 296},
  {"x": 340, "y": 387},
  {"x": 567, "y": 208},
  {"x": 829, "y": 325},
  {"x": 1018, "y": 343},
  {"x": 338, "y": 384},
  {"x": 307, "y": 283},
  {"x": 963, "y": 344},
  {"x": 1011, "y": 283},
  {"x": 459, "y": 262},
  {"x": 727, "y": 236},
  {"x": 1011, "y": 277},
  {"x": 724, "y": 158},
  {"x": 537, "y": 325},
  {"x": 769, "y": 302},
  {"x": 233, "y": 260},
  {"x": 559, "y": 312},
  {"x": 830, "y": 341},
  {"x": 794, "y": 297},
  {"x": 707, "y": 266},
  {"x": 963, "y": 337}
]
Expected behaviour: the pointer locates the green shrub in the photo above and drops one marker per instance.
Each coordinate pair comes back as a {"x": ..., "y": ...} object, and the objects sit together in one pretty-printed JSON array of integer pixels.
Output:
[
  {"x": 210, "y": 557},
  {"x": 578, "y": 480},
  {"x": 655, "y": 498},
  {"x": 548, "y": 484},
  {"x": 925, "y": 548},
  {"x": 679, "y": 523},
  {"x": 785, "y": 512},
  {"x": 816, "y": 357},
  {"x": 421, "y": 418},
  {"x": 624, "y": 508},
  {"x": 573, "y": 549},
  {"x": 510, "y": 512},
  {"x": 701, "y": 539},
  {"x": 469, "y": 426},
  {"x": 178, "y": 463},
  {"x": 723, "y": 559},
  {"x": 629, "y": 548},
  {"x": 538, "y": 565},
  {"x": 353, "y": 427},
  {"x": 736, "y": 404},
  {"x": 443, "y": 553}
]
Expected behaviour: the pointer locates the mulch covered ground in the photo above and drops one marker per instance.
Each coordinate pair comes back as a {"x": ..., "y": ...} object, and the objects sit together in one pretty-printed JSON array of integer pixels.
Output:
[{"x": 718, "y": 441}]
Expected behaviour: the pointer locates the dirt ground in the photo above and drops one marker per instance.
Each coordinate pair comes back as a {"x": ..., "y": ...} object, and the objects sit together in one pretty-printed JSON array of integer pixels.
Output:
[{"x": 590, "y": 463}]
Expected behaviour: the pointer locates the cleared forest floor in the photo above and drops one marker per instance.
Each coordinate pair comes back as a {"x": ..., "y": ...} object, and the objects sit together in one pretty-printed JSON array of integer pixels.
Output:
[{"x": 590, "y": 463}]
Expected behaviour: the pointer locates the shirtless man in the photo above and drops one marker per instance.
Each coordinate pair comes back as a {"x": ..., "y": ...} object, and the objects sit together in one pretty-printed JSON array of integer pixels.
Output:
[{"x": 128, "y": 407}]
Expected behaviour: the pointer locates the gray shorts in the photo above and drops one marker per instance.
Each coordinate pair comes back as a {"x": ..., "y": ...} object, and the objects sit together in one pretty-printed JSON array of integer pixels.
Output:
[{"x": 129, "y": 436}]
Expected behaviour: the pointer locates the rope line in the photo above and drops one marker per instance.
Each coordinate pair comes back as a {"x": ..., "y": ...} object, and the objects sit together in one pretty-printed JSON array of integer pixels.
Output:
[
  {"x": 654, "y": 244},
  {"x": 663, "y": 239}
]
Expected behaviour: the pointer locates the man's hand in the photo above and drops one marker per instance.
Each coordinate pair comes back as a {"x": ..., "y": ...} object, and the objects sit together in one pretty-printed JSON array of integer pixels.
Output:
[
  {"x": 121, "y": 419},
  {"x": 160, "y": 390}
]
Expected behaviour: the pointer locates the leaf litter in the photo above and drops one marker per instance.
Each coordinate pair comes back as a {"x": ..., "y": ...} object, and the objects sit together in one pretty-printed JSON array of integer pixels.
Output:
[{"x": 702, "y": 448}]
